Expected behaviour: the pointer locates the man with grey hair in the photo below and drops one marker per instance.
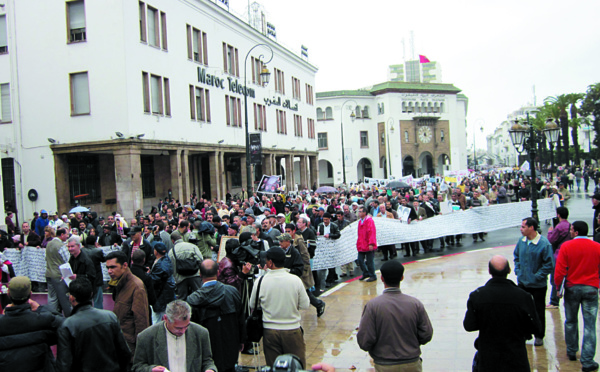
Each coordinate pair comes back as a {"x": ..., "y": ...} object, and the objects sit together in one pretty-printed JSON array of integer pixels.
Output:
[
  {"x": 81, "y": 263},
  {"x": 174, "y": 344}
]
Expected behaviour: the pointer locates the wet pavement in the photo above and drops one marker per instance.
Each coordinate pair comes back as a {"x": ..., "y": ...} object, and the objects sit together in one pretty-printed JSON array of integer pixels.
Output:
[{"x": 442, "y": 281}]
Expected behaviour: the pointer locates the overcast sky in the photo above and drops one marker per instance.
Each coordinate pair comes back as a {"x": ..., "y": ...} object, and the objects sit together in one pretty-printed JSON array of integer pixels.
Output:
[{"x": 494, "y": 52}]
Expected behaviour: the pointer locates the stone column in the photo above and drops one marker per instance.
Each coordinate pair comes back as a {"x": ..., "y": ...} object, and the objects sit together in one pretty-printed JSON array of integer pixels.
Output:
[
  {"x": 176, "y": 176},
  {"x": 185, "y": 155},
  {"x": 128, "y": 181},
  {"x": 314, "y": 171},
  {"x": 215, "y": 175},
  {"x": 303, "y": 173},
  {"x": 61, "y": 177},
  {"x": 223, "y": 176},
  {"x": 268, "y": 164}
]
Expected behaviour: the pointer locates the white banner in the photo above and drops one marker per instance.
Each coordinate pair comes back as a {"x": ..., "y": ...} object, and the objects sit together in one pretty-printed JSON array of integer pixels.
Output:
[
  {"x": 333, "y": 253},
  {"x": 31, "y": 262}
]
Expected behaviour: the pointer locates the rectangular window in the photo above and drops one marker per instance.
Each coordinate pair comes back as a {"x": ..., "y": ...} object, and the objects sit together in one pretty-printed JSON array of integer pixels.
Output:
[
  {"x": 364, "y": 139},
  {"x": 146, "y": 91},
  {"x": 200, "y": 104},
  {"x": 167, "y": 95},
  {"x": 297, "y": 125},
  {"x": 84, "y": 178},
  {"x": 148, "y": 183},
  {"x": 197, "y": 48},
  {"x": 233, "y": 107},
  {"x": 153, "y": 27},
  {"x": 5, "y": 102},
  {"x": 260, "y": 117},
  {"x": 257, "y": 67},
  {"x": 296, "y": 88},
  {"x": 3, "y": 35},
  {"x": 143, "y": 36},
  {"x": 322, "y": 140},
  {"x": 156, "y": 94},
  {"x": 279, "y": 81},
  {"x": 310, "y": 123},
  {"x": 80, "y": 94},
  {"x": 75, "y": 21},
  {"x": 281, "y": 121},
  {"x": 230, "y": 60},
  {"x": 163, "y": 30},
  {"x": 309, "y": 94}
]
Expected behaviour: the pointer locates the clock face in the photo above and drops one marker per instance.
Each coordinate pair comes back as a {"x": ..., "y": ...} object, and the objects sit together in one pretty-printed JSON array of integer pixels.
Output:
[{"x": 425, "y": 134}]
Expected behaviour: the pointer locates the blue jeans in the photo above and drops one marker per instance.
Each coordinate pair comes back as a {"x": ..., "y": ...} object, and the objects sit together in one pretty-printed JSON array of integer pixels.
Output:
[
  {"x": 554, "y": 300},
  {"x": 98, "y": 299},
  {"x": 368, "y": 269},
  {"x": 587, "y": 297}
]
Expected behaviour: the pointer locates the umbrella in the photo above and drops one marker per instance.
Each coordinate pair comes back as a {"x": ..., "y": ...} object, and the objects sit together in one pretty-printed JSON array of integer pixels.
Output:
[
  {"x": 79, "y": 209},
  {"x": 325, "y": 189},
  {"x": 398, "y": 185}
]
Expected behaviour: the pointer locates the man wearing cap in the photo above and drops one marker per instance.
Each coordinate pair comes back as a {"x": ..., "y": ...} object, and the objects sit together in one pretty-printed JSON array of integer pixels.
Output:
[
  {"x": 394, "y": 325},
  {"x": 41, "y": 222},
  {"x": 281, "y": 221},
  {"x": 109, "y": 237},
  {"x": 57, "y": 254},
  {"x": 233, "y": 230},
  {"x": 186, "y": 284},
  {"x": 282, "y": 296},
  {"x": 27, "y": 330},
  {"x": 90, "y": 339},
  {"x": 137, "y": 242}
]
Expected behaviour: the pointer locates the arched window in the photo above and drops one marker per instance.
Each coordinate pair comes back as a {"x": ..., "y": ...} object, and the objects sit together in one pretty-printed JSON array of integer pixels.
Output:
[
  {"x": 429, "y": 107},
  {"x": 436, "y": 107},
  {"x": 406, "y": 136},
  {"x": 320, "y": 114},
  {"x": 403, "y": 106},
  {"x": 365, "y": 113},
  {"x": 328, "y": 113},
  {"x": 442, "y": 107},
  {"x": 357, "y": 112}
]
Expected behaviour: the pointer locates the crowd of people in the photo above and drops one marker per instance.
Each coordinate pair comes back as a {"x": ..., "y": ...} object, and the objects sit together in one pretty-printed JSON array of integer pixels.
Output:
[{"x": 200, "y": 261}]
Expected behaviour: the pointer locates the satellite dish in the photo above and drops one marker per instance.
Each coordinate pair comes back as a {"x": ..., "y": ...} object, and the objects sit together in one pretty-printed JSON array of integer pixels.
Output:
[{"x": 32, "y": 195}]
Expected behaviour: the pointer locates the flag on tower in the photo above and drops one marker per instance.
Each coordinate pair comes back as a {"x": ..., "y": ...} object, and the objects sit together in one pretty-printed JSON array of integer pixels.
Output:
[{"x": 423, "y": 59}]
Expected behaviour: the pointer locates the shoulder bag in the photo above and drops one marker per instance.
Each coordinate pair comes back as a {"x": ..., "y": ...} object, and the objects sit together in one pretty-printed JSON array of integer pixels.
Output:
[
  {"x": 254, "y": 323},
  {"x": 186, "y": 267}
]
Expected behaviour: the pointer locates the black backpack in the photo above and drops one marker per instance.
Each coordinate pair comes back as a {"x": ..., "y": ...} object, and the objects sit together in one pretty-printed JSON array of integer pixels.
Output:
[{"x": 186, "y": 267}]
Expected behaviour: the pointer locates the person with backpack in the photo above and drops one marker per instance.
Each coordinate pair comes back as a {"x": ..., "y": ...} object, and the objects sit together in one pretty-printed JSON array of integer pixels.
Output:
[
  {"x": 186, "y": 259},
  {"x": 557, "y": 236}
]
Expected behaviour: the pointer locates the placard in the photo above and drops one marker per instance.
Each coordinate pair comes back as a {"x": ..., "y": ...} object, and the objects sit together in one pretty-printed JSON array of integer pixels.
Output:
[{"x": 222, "y": 252}]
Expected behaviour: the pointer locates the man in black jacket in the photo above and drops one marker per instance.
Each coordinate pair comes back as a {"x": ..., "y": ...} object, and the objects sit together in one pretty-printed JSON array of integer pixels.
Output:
[
  {"x": 293, "y": 259},
  {"x": 81, "y": 264},
  {"x": 505, "y": 317},
  {"x": 139, "y": 269},
  {"x": 27, "y": 330},
  {"x": 136, "y": 241},
  {"x": 90, "y": 339},
  {"x": 328, "y": 230},
  {"x": 97, "y": 257}
]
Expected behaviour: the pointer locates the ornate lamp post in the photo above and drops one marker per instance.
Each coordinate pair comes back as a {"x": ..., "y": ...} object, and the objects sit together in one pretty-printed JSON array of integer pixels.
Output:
[
  {"x": 265, "y": 76},
  {"x": 525, "y": 139},
  {"x": 552, "y": 133},
  {"x": 352, "y": 117}
]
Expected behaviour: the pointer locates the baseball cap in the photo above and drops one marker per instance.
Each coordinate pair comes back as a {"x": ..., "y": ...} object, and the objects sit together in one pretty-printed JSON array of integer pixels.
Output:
[
  {"x": 160, "y": 248},
  {"x": 285, "y": 237},
  {"x": 321, "y": 209},
  {"x": 20, "y": 288},
  {"x": 43, "y": 211}
]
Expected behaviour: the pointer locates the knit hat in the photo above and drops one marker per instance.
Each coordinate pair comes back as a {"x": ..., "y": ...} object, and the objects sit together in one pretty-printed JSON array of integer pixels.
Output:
[{"x": 19, "y": 288}]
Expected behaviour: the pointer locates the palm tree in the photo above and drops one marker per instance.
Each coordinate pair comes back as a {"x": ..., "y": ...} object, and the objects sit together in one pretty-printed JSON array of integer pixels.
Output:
[
  {"x": 574, "y": 99},
  {"x": 591, "y": 107},
  {"x": 562, "y": 103}
]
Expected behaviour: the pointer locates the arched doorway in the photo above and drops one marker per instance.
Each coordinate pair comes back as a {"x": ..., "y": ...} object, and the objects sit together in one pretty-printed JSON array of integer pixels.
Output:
[
  {"x": 443, "y": 163},
  {"x": 325, "y": 173},
  {"x": 408, "y": 166},
  {"x": 364, "y": 168},
  {"x": 426, "y": 164}
]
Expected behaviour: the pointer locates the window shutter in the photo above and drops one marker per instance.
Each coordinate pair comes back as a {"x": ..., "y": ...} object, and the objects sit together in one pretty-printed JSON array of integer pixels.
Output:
[
  {"x": 5, "y": 102},
  {"x": 76, "y": 15},
  {"x": 81, "y": 99},
  {"x": 3, "y": 31},
  {"x": 155, "y": 93}
]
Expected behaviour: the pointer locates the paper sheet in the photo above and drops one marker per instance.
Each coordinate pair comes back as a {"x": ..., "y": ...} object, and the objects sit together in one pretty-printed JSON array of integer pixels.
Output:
[{"x": 66, "y": 272}]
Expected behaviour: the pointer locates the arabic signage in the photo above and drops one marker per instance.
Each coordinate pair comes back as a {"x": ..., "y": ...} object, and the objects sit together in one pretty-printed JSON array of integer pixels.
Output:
[
  {"x": 232, "y": 84},
  {"x": 423, "y": 96},
  {"x": 285, "y": 104},
  {"x": 255, "y": 148}
]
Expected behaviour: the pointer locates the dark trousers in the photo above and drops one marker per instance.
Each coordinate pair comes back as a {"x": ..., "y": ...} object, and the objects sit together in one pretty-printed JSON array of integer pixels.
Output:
[
  {"x": 442, "y": 244},
  {"x": 332, "y": 275},
  {"x": 427, "y": 245},
  {"x": 187, "y": 286},
  {"x": 480, "y": 236},
  {"x": 539, "y": 300},
  {"x": 388, "y": 250},
  {"x": 277, "y": 342},
  {"x": 313, "y": 300}
]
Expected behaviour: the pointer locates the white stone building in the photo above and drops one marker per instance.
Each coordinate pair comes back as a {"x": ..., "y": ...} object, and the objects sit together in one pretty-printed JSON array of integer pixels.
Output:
[
  {"x": 143, "y": 98},
  {"x": 420, "y": 128}
]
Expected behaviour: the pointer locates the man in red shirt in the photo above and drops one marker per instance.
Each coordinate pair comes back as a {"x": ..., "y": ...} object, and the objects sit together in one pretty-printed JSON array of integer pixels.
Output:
[
  {"x": 578, "y": 264},
  {"x": 366, "y": 244}
]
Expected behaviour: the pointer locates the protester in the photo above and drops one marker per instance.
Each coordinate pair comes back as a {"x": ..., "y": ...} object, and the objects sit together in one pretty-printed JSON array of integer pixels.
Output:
[{"x": 366, "y": 245}]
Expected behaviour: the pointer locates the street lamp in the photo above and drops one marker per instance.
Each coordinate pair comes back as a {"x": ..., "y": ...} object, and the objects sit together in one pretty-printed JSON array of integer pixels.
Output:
[
  {"x": 552, "y": 133},
  {"x": 474, "y": 153},
  {"x": 525, "y": 138},
  {"x": 389, "y": 128},
  {"x": 352, "y": 117},
  {"x": 265, "y": 76}
]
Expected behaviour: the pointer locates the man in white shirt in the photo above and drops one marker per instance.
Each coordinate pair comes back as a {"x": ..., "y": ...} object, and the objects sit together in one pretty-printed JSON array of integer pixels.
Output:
[
  {"x": 282, "y": 296},
  {"x": 174, "y": 344}
]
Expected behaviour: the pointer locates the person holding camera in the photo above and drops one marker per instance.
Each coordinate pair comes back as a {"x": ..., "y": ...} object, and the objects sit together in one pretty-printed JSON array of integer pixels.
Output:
[{"x": 282, "y": 296}]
